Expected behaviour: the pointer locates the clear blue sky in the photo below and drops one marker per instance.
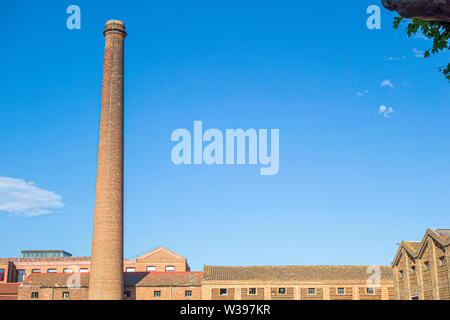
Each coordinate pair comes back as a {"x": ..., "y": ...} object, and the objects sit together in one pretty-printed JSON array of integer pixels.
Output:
[{"x": 352, "y": 182}]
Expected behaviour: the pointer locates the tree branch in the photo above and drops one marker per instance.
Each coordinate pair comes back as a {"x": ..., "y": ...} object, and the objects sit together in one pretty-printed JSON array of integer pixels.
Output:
[{"x": 430, "y": 10}]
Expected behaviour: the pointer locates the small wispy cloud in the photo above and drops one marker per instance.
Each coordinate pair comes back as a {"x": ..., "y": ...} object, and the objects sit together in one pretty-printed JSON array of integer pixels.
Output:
[
  {"x": 418, "y": 53},
  {"x": 362, "y": 93},
  {"x": 420, "y": 36},
  {"x": 396, "y": 58},
  {"x": 24, "y": 198},
  {"x": 385, "y": 111},
  {"x": 387, "y": 83}
]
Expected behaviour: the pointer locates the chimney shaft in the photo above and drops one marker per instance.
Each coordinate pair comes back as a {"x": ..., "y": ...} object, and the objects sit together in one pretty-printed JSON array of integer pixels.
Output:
[{"x": 106, "y": 274}]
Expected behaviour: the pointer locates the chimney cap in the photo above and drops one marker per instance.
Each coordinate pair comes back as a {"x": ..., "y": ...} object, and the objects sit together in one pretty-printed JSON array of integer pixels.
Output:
[
  {"x": 114, "y": 21},
  {"x": 115, "y": 26}
]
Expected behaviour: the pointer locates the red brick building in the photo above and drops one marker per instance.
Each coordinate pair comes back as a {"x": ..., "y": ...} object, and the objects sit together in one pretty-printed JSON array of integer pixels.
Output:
[
  {"x": 162, "y": 274},
  {"x": 137, "y": 286},
  {"x": 18, "y": 269},
  {"x": 158, "y": 274}
]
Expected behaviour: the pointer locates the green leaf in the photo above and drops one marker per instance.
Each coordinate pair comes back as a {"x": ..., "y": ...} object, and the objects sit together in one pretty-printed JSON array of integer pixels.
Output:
[{"x": 438, "y": 31}]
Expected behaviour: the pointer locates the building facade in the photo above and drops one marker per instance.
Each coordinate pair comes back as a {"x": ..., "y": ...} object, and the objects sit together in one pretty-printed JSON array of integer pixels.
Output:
[
  {"x": 298, "y": 283},
  {"x": 16, "y": 270},
  {"x": 162, "y": 274},
  {"x": 421, "y": 269},
  {"x": 137, "y": 286},
  {"x": 156, "y": 275}
]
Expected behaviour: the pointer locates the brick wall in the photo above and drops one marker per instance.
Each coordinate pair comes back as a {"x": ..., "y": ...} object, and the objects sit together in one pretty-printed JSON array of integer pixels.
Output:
[
  {"x": 412, "y": 271},
  {"x": 430, "y": 278},
  {"x": 363, "y": 295},
  {"x": 167, "y": 293},
  {"x": 245, "y": 295},
  {"x": 442, "y": 274},
  {"x": 276, "y": 295},
  {"x": 8, "y": 291},
  {"x": 161, "y": 260},
  {"x": 44, "y": 268},
  {"x": 25, "y": 293},
  {"x": 348, "y": 293},
  {"x": 317, "y": 296},
  {"x": 426, "y": 275},
  {"x": 300, "y": 292},
  {"x": 216, "y": 294}
]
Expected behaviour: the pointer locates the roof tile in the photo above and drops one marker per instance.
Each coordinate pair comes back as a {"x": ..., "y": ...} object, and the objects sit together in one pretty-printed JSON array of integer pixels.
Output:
[{"x": 290, "y": 273}]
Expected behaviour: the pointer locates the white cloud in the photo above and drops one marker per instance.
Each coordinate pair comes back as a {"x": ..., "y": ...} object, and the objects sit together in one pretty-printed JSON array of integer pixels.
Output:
[
  {"x": 396, "y": 59},
  {"x": 420, "y": 36},
  {"x": 362, "y": 93},
  {"x": 24, "y": 198},
  {"x": 418, "y": 53},
  {"x": 385, "y": 111},
  {"x": 387, "y": 83}
]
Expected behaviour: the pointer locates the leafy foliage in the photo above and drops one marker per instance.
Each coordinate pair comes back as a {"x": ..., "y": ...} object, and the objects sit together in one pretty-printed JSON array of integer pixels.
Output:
[{"x": 439, "y": 31}]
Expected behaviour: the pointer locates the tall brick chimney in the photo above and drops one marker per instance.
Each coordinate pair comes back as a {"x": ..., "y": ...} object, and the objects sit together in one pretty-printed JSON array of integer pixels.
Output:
[{"x": 106, "y": 275}]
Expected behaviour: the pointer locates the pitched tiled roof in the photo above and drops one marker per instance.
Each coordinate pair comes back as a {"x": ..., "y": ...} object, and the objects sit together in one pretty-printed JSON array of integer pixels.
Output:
[
  {"x": 162, "y": 279},
  {"x": 289, "y": 273},
  {"x": 131, "y": 279},
  {"x": 61, "y": 280},
  {"x": 415, "y": 248},
  {"x": 9, "y": 288},
  {"x": 413, "y": 245},
  {"x": 443, "y": 233}
]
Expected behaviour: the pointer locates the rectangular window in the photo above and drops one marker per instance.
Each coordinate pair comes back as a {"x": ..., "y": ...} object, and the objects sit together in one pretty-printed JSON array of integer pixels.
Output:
[
  {"x": 84, "y": 270},
  {"x": 426, "y": 265},
  {"x": 441, "y": 261},
  {"x": 2, "y": 274},
  {"x": 369, "y": 290},
  {"x": 340, "y": 290},
  {"x": 401, "y": 274},
  {"x": 311, "y": 291},
  {"x": 223, "y": 292},
  {"x": 188, "y": 293},
  {"x": 51, "y": 271},
  {"x": 65, "y": 295},
  {"x": 127, "y": 294},
  {"x": 34, "y": 295},
  {"x": 151, "y": 269},
  {"x": 20, "y": 275},
  {"x": 36, "y": 271},
  {"x": 413, "y": 270},
  {"x": 157, "y": 294},
  {"x": 281, "y": 290},
  {"x": 252, "y": 291},
  {"x": 170, "y": 269},
  {"x": 131, "y": 269},
  {"x": 67, "y": 270}
]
